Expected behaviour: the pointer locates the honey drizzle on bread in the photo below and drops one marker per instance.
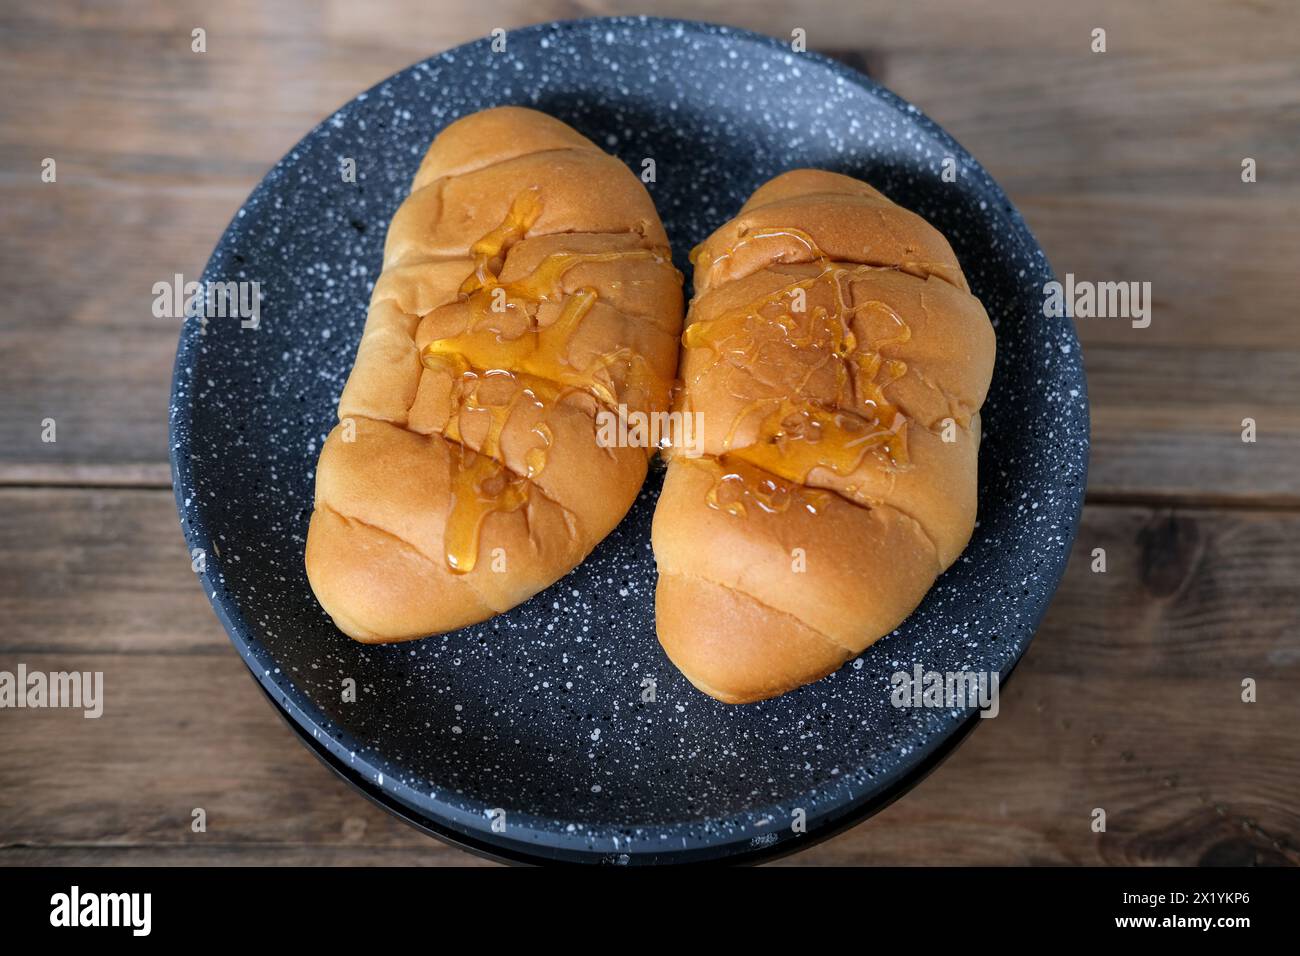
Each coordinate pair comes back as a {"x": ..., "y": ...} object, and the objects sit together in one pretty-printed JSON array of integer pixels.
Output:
[
  {"x": 796, "y": 436},
  {"x": 447, "y": 457},
  {"x": 837, "y": 362},
  {"x": 488, "y": 350}
]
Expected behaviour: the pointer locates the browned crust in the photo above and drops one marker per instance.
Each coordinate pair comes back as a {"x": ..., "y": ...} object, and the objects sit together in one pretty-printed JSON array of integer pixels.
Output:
[
  {"x": 750, "y": 607},
  {"x": 375, "y": 551}
]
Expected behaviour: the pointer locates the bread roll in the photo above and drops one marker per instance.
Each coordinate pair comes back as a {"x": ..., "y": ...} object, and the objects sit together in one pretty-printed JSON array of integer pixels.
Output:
[
  {"x": 527, "y": 286},
  {"x": 838, "y": 362}
]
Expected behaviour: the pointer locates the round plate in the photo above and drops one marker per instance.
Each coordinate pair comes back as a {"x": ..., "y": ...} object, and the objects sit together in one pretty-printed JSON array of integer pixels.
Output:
[{"x": 529, "y": 736}]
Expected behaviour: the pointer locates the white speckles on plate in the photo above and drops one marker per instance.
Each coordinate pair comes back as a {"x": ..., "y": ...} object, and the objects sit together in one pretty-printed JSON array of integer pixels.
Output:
[{"x": 560, "y": 730}]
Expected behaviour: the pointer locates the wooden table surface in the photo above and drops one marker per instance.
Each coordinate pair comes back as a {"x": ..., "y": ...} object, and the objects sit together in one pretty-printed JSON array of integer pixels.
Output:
[{"x": 1127, "y": 165}]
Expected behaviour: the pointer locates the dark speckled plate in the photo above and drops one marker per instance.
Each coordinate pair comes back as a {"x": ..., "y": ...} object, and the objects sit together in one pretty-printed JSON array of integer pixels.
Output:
[{"x": 535, "y": 719}]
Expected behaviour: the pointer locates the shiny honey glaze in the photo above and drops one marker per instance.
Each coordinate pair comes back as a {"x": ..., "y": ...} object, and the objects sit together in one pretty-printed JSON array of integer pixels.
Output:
[
  {"x": 738, "y": 486},
  {"x": 480, "y": 487},
  {"x": 504, "y": 358},
  {"x": 754, "y": 236},
  {"x": 796, "y": 436}
]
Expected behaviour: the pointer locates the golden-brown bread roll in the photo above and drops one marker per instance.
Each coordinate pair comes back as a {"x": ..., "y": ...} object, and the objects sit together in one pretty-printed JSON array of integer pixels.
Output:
[
  {"x": 527, "y": 286},
  {"x": 837, "y": 362}
]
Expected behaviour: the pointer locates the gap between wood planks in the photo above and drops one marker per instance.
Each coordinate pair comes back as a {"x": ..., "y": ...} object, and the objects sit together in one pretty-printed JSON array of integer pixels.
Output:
[{"x": 158, "y": 478}]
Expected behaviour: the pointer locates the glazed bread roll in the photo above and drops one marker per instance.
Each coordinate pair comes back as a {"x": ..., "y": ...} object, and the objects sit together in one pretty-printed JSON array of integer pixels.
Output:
[
  {"x": 527, "y": 286},
  {"x": 838, "y": 362}
]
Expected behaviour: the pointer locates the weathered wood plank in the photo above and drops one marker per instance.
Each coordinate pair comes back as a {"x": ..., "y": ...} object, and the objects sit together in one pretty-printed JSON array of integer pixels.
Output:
[
  {"x": 1185, "y": 771},
  {"x": 1129, "y": 699},
  {"x": 99, "y": 572},
  {"x": 1168, "y": 421},
  {"x": 1186, "y": 591},
  {"x": 1158, "y": 26},
  {"x": 429, "y": 853},
  {"x": 1126, "y": 164},
  {"x": 1008, "y": 26}
]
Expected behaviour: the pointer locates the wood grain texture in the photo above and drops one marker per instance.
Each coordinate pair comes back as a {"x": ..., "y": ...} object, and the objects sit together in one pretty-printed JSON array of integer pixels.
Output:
[
  {"x": 1129, "y": 699},
  {"x": 1126, "y": 165}
]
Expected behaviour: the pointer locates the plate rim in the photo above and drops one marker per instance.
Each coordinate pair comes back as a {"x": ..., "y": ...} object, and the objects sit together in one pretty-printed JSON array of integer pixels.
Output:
[{"x": 837, "y": 814}]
